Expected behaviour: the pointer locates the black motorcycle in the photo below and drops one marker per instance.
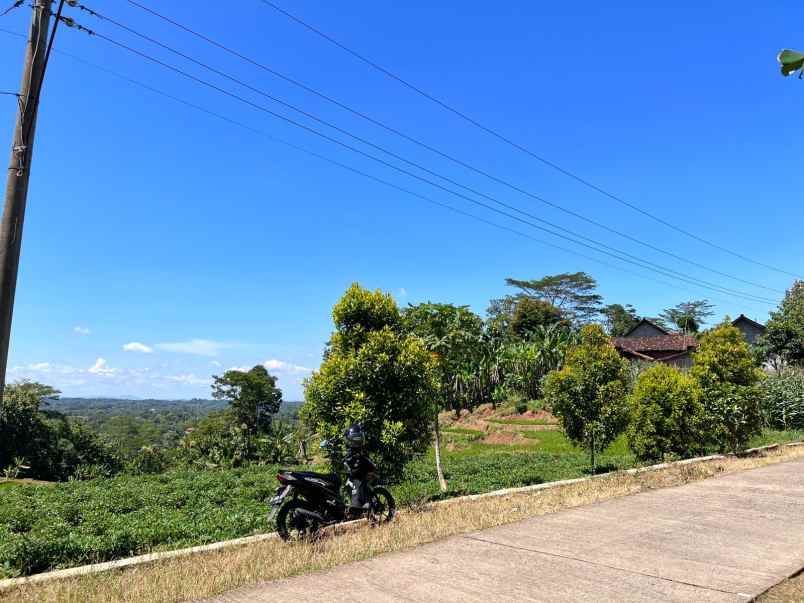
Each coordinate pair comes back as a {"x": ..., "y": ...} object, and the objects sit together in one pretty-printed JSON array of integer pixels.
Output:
[{"x": 305, "y": 501}]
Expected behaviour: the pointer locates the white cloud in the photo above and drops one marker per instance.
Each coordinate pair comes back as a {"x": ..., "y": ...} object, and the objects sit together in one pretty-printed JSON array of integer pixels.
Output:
[
  {"x": 215, "y": 363},
  {"x": 280, "y": 366},
  {"x": 40, "y": 366},
  {"x": 136, "y": 346},
  {"x": 81, "y": 330},
  {"x": 403, "y": 292},
  {"x": 189, "y": 379},
  {"x": 198, "y": 347},
  {"x": 102, "y": 368},
  {"x": 241, "y": 369}
]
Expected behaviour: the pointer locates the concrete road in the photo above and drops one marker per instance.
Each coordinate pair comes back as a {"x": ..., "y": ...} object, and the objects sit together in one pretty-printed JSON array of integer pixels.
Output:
[{"x": 722, "y": 539}]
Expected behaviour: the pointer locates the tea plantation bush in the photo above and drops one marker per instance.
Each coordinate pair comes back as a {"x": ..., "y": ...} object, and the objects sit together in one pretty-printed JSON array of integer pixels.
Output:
[
  {"x": 783, "y": 400},
  {"x": 50, "y": 526}
]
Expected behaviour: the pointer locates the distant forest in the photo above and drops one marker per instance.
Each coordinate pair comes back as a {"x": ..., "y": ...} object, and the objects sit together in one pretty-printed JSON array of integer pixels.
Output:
[{"x": 132, "y": 424}]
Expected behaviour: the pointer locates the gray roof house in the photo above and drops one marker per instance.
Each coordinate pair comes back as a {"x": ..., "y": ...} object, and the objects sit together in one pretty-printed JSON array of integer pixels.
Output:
[{"x": 751, "y": 329}]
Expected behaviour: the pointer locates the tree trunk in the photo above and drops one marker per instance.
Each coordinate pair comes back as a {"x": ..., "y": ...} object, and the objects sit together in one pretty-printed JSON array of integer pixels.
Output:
[{"x": 442, "y": 483}]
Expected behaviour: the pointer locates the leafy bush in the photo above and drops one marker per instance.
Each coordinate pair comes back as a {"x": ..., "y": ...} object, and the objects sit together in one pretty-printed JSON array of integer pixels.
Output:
[
  {"x": 666, "y": 414},
  {"x": 589, "y": 393},
  {"x": 53, "y": 445},
  {"x": 782, "y": 399},
  {"x": 377, "y": 375},
  {"x": 725, "y": 369}
]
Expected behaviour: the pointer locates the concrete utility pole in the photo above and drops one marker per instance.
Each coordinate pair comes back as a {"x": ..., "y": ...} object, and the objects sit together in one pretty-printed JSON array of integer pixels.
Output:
[{"x": 19, "y": 171}]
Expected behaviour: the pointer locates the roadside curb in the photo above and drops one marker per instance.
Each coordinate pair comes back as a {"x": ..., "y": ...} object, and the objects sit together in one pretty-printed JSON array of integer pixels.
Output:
[{"x": 120, "y": 564}]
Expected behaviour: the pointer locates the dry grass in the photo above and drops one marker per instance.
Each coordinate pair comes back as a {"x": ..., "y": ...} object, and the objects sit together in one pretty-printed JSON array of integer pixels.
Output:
[
  {"x": 789, "y": 591},
  {"x": 214, "y": 573}
]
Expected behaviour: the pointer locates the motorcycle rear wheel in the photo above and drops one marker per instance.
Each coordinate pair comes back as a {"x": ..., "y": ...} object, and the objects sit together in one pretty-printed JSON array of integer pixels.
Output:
[
  {"x": 293, "y": 526},
  {"x": 382, "y": 506}
]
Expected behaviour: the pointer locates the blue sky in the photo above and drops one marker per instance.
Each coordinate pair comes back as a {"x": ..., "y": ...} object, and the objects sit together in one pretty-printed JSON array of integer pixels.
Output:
[{"x": 211, "y": 247}]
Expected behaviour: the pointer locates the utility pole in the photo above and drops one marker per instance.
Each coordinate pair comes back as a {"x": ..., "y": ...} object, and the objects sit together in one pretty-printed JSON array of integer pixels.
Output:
[{"x": 19, "y": 171}]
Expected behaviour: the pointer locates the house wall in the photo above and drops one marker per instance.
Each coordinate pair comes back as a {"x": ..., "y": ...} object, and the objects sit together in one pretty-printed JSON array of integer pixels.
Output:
[
  {"x": 680, "y": 362},
  {"x": 749, "y": 331},
  {"x": 645, "y": 330}
]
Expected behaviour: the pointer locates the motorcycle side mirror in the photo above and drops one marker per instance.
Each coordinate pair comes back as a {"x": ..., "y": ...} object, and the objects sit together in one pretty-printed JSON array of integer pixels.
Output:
[{"x": 324, "y": 444}]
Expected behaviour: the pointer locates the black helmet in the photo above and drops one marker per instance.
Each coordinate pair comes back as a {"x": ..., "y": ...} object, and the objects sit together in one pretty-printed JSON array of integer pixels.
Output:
[{"x": 355, "y": 437}]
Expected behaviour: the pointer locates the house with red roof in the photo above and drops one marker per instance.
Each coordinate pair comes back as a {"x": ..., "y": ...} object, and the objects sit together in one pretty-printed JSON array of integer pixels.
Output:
[{"x": 649, "y": 342}]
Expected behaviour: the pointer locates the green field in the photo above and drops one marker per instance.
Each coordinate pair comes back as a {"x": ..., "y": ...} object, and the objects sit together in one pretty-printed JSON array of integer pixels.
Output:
[{"x": 47, "y": 526}]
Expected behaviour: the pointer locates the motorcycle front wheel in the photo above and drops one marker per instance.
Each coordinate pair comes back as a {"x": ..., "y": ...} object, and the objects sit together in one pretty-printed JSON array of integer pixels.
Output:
[
  {"x": 293, "y": 525},
  {"x": 382, "y": 506}
]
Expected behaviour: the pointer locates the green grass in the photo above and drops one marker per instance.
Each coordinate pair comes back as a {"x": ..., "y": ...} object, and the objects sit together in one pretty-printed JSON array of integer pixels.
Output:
[
  {"x": 770, "y": 436},
  {"x": 521, "y": 421},
  {"x": 48, "y": 526}
]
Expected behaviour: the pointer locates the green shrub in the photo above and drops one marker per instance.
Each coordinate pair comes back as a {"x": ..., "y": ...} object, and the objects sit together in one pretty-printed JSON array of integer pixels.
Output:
[
  {"x": 726, "y": 371},
  {"x": 589, "y": 393},
  {"x": 377, "y": 375},
  {"x": 666, "y": 414},
  {"x": 521, "y": 406},
  {"x": 782, "y": 398}
]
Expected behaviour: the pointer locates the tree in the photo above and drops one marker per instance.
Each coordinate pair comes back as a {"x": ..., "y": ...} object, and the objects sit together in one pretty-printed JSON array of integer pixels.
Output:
[
  {"x": 532, "y": 314},
  {"x": 53, "y": 446},
  {"x": 618, "y": 319},
  {"x": 377, "y": 375},
  {"x": 688, "y": 316},
  {"x": 589, "y": 393},
  {"x": 784, "y": 337},
  {"x": 454, "y": 334},
  {"x": 667, "y": 415},
  {"x": 253, "y": 397},
  {"x": 572, "y": 293},
  {"x": 725, "y": 370}
]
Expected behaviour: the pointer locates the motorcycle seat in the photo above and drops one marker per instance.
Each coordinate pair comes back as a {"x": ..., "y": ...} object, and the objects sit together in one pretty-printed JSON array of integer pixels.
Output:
[{"x": 327, "y": 477}]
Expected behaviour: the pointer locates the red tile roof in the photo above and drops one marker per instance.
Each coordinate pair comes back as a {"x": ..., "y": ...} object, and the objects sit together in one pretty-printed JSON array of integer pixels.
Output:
[{"x": 675, "y": 342}]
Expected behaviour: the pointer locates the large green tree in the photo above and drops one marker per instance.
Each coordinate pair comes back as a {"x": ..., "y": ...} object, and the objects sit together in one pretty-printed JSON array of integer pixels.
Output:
[
  {"x": 784, "y": 337},
  {"x": 572, "y": 293},
  {"x": 688, "y": 316},
  {"x": 253, "y": 397},
  {"x": 588, "y": 394},
  {"x": 455, "y": 335},
  {"x": 376, "y": 374},
  {"x": 618, "y": 319}
]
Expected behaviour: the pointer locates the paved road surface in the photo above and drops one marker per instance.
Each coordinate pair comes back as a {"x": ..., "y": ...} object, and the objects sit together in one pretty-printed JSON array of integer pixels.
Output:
[{"x": 722, "y": 539}]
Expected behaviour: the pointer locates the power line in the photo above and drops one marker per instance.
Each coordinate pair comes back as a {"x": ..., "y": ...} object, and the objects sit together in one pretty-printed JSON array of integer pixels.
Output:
[
  {"x": 14, "y": 5},
  {"x": 362, "y": 140},
  {"x": 351, "y": 168},
  {"x": 357, "y": 171},
  {"x": 521, "y": 147},
  {"x": 409, "y": 138},
  {"x": 613, "y": 252}
]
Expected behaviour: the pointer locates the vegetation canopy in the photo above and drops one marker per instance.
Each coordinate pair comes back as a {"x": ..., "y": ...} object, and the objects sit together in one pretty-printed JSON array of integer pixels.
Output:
[
  {"x": 589, "y": 393},
  {"x": 377, "y": 375}
]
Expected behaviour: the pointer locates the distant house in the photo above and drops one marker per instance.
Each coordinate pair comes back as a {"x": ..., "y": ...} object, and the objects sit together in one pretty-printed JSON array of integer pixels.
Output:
[
  {"x": 750, "y": 329},
  {"x": 649, "y": 342}
]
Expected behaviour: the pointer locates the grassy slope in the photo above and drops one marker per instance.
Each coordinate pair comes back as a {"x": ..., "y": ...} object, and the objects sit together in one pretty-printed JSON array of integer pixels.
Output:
[
  {"x": 205, "y": 575},
  {"x": 49, "y": 526}
]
